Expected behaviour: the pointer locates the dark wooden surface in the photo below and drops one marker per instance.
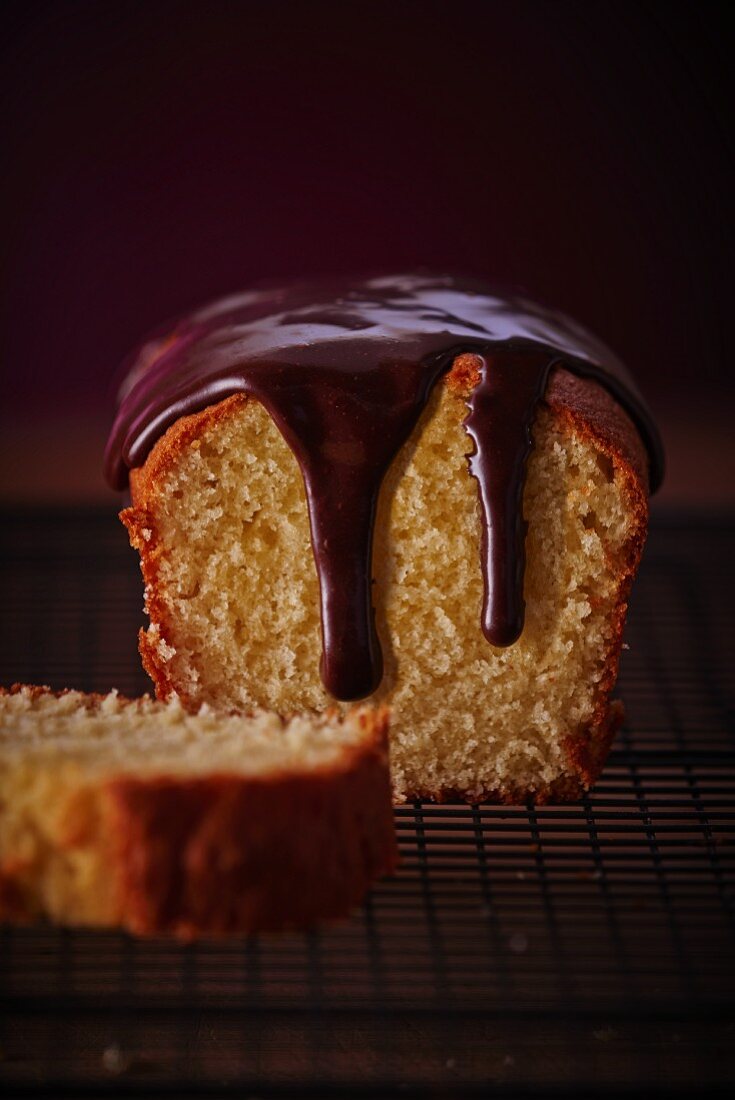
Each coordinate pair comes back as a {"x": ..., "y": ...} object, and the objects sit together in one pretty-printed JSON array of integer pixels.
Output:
[{"x": 586, "y": 948}]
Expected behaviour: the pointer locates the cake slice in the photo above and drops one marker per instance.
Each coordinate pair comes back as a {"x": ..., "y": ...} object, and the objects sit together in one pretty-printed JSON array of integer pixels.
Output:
[{"x": 137, "y": 814}]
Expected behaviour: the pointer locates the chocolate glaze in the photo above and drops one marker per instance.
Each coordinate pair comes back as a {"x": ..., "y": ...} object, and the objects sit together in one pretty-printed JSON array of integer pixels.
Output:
[{"x": 345, "y": 371}]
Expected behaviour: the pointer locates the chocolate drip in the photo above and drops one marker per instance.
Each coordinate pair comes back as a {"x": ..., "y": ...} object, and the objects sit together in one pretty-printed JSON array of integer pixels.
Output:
[
  {"x": 345, "y": 428},
  {"x": 502, "y": 408},
  {"x": 345, "y": 372}
]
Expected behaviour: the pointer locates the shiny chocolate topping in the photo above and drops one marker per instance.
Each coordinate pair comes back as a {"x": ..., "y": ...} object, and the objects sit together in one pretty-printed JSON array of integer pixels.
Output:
[{"x": 345, "y": 371}]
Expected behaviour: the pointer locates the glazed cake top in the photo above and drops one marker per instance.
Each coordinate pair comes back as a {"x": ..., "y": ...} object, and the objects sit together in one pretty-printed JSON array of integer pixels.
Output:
[{"x": 345, "y": 370}]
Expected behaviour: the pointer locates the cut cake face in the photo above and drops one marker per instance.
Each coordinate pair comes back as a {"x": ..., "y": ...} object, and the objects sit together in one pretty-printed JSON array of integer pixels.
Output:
[{"x": 409, "y": 489}]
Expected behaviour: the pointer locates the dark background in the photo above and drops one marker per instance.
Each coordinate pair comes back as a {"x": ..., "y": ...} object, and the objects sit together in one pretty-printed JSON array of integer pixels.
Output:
[{"x": 161, "y": 153}]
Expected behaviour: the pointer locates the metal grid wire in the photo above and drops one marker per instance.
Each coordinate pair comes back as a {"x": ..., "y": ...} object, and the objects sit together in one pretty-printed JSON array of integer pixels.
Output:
[{"x": 518, "y": 949}]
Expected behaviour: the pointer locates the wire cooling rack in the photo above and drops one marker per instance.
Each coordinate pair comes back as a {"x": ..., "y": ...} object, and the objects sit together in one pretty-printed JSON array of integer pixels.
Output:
[{"x": 576, "y": 949}]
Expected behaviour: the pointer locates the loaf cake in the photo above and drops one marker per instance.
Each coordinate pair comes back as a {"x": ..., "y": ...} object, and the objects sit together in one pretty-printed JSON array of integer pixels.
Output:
[
  {"x": 136, "y": 814},
  {"x": 410, "y": 489}
]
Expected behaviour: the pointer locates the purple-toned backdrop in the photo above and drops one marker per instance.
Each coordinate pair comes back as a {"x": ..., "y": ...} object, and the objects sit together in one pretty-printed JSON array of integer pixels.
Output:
[{"x": 159, "y": 153}]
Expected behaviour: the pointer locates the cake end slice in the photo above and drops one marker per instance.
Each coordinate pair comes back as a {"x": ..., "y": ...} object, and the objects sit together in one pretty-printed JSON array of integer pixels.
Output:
[{"x": 139, "y": 815}]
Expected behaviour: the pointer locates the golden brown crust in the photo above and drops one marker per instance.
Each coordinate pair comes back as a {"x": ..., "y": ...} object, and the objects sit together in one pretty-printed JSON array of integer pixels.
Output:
[
  {"x": 593, "y": 414},
  {"x": 142, "y": 529},
  {"x": 225, "y": 853},
  {"x": 582, "y": 407},
  {"x": 15, "y": 904}
]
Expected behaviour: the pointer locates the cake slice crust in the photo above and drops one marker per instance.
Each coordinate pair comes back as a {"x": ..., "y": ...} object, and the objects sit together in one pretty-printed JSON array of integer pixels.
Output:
[{"x": 137, "y": 814}]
